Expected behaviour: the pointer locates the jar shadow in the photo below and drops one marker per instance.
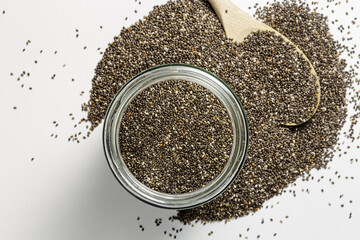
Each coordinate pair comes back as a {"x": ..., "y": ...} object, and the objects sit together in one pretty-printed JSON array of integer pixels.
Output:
[{"x": 105, "y": 210}]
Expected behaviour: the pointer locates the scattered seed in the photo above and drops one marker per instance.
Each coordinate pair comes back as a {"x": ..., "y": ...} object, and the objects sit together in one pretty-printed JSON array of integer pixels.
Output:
[{"x": 200, "y": 40}]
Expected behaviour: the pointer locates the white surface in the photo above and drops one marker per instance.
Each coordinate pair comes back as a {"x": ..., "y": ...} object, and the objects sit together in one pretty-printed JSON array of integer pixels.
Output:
[{"x": 68, "y": 191}]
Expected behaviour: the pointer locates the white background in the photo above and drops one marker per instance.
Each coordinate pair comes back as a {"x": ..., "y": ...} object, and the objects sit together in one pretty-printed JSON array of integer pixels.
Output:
[{"x": 68, "y": 191}]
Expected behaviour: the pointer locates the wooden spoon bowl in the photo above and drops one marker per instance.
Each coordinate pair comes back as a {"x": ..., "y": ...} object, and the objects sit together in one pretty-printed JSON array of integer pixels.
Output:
[{"x": 238, "y": 25}]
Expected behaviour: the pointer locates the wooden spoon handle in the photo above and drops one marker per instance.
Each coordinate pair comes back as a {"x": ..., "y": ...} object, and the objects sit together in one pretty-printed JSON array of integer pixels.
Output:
[{"x": 237, "y": 23}]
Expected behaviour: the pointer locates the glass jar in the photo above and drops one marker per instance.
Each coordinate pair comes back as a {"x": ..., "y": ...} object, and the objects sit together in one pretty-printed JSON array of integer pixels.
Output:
[{"x": 172, "y": 72}]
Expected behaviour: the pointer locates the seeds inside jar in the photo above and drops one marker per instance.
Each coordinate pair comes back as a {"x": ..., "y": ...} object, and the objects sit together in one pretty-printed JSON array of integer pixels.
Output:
[{"x": 175, "y": 136}]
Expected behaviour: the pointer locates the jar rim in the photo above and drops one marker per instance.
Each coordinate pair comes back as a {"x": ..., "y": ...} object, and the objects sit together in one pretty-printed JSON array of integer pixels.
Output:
[{"x": 158, "y": 74}]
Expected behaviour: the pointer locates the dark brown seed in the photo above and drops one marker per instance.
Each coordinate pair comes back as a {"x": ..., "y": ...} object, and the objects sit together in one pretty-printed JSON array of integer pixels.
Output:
[
  {"x": 200, "y": 40},
  {"x": 168, "y": 124}
]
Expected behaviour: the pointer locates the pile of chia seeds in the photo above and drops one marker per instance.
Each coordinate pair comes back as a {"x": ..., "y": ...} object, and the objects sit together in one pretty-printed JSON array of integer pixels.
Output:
[
  {"x": 175, "y": 136},
  {"x": 270, "y": 79}
]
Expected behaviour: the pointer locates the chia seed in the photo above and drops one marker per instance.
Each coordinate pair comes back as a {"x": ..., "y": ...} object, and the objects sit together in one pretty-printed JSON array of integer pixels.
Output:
[
  {"x": 264, "y": 72},
  {"x": 175, "y": 136}
]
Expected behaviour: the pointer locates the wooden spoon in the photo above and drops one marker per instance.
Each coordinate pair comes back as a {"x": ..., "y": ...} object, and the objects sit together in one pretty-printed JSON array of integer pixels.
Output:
[{"x": 238, "y": 25}]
